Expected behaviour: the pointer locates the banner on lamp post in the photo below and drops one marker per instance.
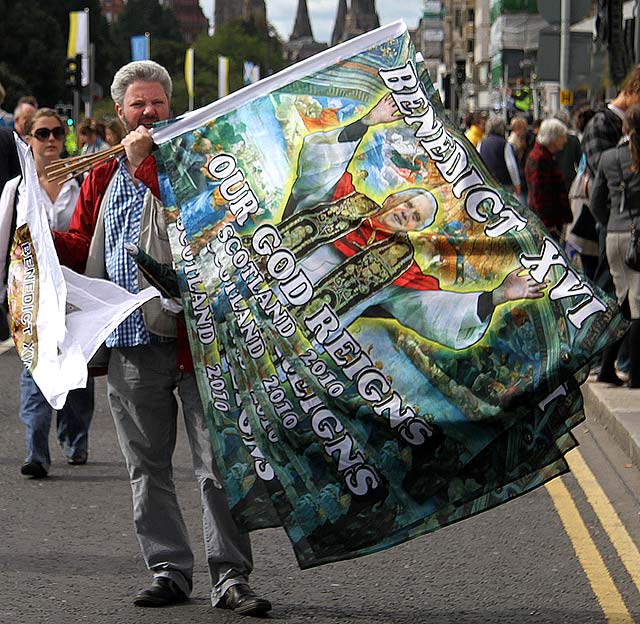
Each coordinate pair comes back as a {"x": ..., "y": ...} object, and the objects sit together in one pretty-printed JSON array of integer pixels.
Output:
[
  {"x": 140, "y": 47},
  {"x": 79, "y": 41},
  {"x": 251, "y": 72},
  {"x": 223, "y": 76},
  {"x": 188, "y": 74}
]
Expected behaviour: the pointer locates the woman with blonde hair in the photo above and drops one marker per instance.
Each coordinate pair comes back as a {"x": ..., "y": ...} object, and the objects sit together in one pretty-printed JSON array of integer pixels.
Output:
[
  {"x": 114, "y": 132},
  {"x": 91, "y": 134}
]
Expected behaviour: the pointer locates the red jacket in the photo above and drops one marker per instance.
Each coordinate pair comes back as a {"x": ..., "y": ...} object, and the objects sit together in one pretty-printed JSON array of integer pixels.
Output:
[
  {"x": 547, "y": 191},
  {"x": 73, "y": 246}
]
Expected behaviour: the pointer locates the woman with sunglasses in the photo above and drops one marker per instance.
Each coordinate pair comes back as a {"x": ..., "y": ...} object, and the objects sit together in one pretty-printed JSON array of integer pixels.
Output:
[{"x": 45, "y": 133}]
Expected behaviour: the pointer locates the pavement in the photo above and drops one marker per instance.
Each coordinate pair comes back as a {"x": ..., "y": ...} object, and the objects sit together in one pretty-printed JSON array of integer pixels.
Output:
[
  {"x": 68, "y": 552},
  {"x": 617, "y": 409}
]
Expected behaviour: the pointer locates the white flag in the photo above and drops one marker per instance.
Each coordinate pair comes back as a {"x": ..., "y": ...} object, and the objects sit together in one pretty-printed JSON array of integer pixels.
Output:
[{"x": 57, "y": 325}]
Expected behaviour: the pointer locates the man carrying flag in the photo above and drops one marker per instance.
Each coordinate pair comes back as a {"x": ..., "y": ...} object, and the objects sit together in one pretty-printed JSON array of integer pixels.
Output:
[{"x": 150, "y": 359}]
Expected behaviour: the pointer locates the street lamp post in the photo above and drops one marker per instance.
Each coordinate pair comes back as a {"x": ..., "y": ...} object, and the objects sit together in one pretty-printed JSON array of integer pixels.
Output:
[
  {"x": 636, "y": 33},
  {"x": 565, "y": 18}
]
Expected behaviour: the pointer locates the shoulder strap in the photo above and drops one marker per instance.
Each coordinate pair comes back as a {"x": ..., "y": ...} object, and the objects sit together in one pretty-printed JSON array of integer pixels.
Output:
[{"x": 623, "y": 186}]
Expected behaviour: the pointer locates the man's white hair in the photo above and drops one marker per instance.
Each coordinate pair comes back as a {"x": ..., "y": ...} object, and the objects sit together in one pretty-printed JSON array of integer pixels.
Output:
[
  {"x": 550, "y": 130},
  {"x": 146, "y": 71}
]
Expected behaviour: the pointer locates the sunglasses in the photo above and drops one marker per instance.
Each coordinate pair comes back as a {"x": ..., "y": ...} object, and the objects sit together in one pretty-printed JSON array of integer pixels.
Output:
[{"x": 42, "y": 134}]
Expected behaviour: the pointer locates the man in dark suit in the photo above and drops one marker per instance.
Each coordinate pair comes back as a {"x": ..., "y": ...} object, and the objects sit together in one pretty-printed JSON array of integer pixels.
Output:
[
  {"x": 9, "y": 168},
  {"x": 9, "y": 163}
]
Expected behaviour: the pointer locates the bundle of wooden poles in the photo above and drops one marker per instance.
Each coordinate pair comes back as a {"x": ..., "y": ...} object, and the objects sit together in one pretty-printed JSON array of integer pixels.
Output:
[{"x": 67, "y": 168}]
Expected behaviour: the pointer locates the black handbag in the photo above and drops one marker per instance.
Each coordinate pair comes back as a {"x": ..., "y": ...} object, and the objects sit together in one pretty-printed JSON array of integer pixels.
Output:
[
  {"x": 632, "y": 254},
  {"x": 585, "y": 225}
]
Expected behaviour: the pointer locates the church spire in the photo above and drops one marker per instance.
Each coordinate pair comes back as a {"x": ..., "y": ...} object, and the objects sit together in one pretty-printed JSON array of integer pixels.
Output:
[
  {"x": 302, "y": 26},
  {"x": 338, "y": 29}
]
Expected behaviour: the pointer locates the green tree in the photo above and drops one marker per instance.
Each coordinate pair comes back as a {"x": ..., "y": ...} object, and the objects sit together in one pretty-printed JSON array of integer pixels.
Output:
[
  {"x": 139, "y": 17},
  {"x": 33, "y": 47},
  {"x": 241, "y": 40},
  {"x": 99, "y": 30}
]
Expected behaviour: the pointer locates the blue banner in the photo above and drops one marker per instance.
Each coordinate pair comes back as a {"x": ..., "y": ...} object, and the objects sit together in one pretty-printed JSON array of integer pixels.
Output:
[{"x": 140, "y": 48}]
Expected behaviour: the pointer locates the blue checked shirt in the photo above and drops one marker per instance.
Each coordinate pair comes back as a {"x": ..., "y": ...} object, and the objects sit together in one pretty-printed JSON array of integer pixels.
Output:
[{"x": 122, "y": 225}]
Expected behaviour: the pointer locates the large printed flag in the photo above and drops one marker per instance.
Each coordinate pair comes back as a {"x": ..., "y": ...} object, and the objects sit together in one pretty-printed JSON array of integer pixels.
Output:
[
  {"x": 78, "y": 42},
  {"x": 59, "y": 319},
  {"x": 386, "y": 341}
]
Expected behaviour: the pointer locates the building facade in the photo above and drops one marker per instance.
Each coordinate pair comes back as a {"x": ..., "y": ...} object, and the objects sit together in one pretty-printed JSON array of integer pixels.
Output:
[
  {"x": 191, "y": 19},
  {"x": 354, "y": 20},
  {"x": 229, "y": 10},
  {"x": 111, "y": 9}
]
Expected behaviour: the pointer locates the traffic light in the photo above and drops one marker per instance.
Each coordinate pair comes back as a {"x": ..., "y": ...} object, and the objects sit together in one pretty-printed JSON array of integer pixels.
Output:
[
  {"x": 446, "y": 89},
  {"x": 65, "y": 111},
  {"x": 73, "y": 72},
  {"x": 461, "y": 72}
]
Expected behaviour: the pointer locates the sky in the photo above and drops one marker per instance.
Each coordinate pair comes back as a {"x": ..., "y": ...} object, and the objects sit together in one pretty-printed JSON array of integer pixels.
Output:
[{"x": 322, "y": 13}]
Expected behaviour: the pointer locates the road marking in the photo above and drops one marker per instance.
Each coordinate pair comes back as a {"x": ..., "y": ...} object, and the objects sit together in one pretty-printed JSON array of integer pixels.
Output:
[
  {"x": 617, "y": 532},
  {"x": 602, "y": 584}
]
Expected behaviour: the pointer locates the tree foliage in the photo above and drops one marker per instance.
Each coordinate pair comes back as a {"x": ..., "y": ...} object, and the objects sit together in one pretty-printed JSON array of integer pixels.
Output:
[
  {"x": 140, "y": 17},
  {"x": 33, "y": 47},
  {"x": 239, "y": 41}
]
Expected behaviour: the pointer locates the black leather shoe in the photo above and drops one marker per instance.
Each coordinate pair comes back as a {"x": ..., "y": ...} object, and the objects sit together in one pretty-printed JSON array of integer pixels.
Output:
[
  {"x": 242, "y": 600},
  {"x": 79, "y": 459},
  {"x": 34, "y": 469},
  {"x": 163, "y": 592}
]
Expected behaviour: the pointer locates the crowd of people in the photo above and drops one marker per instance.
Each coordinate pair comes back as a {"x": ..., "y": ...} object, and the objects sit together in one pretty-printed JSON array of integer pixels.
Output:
[{"x": 584, "y": 184}]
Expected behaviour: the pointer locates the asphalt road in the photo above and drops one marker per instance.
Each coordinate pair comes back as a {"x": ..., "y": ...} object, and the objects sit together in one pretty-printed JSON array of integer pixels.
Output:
[{"x": 68, "y": 553}]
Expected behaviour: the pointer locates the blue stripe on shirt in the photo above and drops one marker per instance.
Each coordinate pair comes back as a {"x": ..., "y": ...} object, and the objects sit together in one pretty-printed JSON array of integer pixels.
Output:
[{"x": 122, "y": 217}]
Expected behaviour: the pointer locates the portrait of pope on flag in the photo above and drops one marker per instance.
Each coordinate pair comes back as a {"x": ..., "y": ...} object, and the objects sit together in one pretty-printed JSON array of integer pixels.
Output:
[{"x": 338, "y": 233}]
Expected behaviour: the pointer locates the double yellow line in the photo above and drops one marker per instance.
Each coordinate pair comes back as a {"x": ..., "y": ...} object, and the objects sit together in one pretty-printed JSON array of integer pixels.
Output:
[{"x": 605, "y": 590}]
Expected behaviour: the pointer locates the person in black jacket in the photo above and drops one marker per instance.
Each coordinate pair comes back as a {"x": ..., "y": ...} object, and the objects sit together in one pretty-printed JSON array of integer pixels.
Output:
[
  {"x": 9, "y": 168},
  {"x": 499, "y": 156},
  {"x": 9, "y": 163},
  {"x": 616, "y": 209}
]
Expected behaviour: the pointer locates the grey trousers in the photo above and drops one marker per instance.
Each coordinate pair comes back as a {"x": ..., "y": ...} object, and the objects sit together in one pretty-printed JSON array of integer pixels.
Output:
[{"x": 141, "y": 384}]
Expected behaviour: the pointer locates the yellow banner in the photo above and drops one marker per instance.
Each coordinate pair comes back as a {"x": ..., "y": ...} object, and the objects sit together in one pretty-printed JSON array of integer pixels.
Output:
[
  {"x": 79, "y": 40},
  {"x": 78, "y": 33},
  {"x": 188, "y": 71}
]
